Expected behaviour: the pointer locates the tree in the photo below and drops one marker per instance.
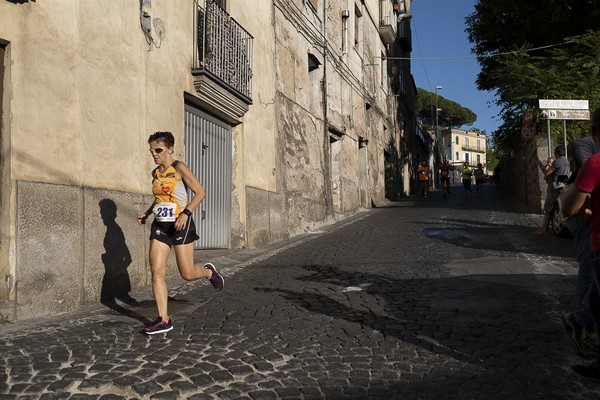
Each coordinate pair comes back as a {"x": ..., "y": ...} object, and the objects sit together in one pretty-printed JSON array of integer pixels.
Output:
[
  {"x": 451, "y": 114},
  {"x": 533, "y": 50}
]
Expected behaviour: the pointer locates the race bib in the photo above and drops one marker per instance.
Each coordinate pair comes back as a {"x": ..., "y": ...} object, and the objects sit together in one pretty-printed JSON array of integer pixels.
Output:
[{"x": 165, "y": 212}]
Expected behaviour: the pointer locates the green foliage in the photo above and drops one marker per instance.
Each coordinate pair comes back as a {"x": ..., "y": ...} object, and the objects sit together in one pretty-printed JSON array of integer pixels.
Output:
[
  {"x": 491, "y": 159},
  {"x": 452, "y": 114},
  {"x": 504, "y": 32}
]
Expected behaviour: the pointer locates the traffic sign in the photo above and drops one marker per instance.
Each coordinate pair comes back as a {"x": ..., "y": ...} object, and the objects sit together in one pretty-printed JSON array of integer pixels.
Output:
[
  {"x": 564, "y": 104},
  {"x": 527, "y": 131},
  {"x": 565, "y": 114}
]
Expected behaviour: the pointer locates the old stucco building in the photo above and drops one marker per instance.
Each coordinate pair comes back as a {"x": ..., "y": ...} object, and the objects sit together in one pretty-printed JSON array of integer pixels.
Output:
[
  {"x": 462, "y": 146},
  {"x": 288, "y": 111}
]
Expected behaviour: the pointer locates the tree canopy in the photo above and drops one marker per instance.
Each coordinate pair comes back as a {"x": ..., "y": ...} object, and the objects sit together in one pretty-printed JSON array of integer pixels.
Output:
[
  {"x": 451, "y": 114},
  {"x": 535, "y": 50}
]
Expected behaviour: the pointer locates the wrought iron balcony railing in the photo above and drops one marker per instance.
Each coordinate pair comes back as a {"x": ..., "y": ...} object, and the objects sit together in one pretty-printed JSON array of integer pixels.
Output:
[
  {"x": 477, "y": 149},
  {"x": 222, "y": 47}
]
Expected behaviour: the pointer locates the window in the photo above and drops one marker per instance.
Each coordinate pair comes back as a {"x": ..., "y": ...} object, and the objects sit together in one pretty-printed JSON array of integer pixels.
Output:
[
  {"x": 456, "y": 155},
  {"x": 467, "y": 157},
  {"x": 457, "y": 143},
  {"x": 314, "y": 83},
  {"x": 313, "y": 62},
  {"x": 478, "y": 157},
  {"x": 478, "y": 147},
  {"x": 357, "y": 17},
  {"x": 467, "y": 142}
]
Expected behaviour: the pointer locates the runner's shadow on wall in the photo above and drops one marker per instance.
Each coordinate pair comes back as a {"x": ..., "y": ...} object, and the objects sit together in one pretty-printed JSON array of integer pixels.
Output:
[{"x": 116, "y": 258}]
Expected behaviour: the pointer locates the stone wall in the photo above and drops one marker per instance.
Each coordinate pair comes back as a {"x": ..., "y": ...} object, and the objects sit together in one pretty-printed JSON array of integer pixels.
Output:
[
  {"x": 77, "y": 246},
  {"x": 522, "y": 175}
]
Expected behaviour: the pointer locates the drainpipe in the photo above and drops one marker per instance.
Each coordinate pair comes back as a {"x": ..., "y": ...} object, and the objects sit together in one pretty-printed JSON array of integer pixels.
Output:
[{"x": 326, "y": 144}]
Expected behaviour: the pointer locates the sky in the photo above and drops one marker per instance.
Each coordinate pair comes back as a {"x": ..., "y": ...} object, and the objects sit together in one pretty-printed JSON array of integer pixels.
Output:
[{"x": 438, "y": 31}]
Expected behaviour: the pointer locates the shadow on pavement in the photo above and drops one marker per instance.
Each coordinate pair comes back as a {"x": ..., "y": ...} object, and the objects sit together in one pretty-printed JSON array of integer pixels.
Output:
[{"x": 486, "y": 328}]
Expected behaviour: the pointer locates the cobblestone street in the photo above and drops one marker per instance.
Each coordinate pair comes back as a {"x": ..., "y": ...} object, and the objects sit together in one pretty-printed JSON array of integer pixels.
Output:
[{"x": 424, "y": 299}]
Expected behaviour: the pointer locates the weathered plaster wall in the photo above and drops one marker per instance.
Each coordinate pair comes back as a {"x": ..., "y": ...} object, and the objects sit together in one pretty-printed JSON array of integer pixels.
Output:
[
  {"x": 81, "y": 99},
  {"x": 82, "y": 92}
]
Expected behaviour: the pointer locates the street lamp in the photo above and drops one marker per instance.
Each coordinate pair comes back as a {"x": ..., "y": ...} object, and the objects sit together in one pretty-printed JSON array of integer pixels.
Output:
[{"x": 437, "y": 134}]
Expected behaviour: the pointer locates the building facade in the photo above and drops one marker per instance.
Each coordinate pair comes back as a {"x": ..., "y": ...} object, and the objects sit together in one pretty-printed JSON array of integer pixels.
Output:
[
  {"x": 462, "y": 146},
  {"x": 289, "y": 112}
]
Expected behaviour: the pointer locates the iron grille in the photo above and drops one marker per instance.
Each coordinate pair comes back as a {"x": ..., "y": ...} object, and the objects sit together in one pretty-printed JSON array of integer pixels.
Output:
[{"x": 223, "y": 47}]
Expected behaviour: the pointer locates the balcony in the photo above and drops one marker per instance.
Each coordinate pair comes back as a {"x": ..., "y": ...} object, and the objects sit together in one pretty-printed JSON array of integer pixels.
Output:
[
  {"x": 477, "y": 149},
  {"x": 387, "y": 21},
  {"x": 222, "y": 65}
]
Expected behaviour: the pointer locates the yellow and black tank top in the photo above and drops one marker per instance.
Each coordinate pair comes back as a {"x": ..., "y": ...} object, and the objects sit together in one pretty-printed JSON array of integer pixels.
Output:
[{"x": 168, "y": 188}]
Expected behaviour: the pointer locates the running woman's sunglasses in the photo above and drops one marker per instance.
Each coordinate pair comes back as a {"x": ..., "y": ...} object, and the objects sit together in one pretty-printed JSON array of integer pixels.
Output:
[{"x": 157, "y": 150}]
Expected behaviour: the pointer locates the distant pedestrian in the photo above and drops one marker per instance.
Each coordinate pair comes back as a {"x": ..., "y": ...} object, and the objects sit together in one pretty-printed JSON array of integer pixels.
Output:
[
  {"x": 467, "y": 174},
  {"x": 557, "y": 172},
  {"x": 479, "y": 179},
  {"x": 173, "y": 226},
  {"x": 423, "y": 173},
  {"x": 583, "y": 198},
  {"x": 445, "y": 169},
  {"x": 579, "y": 324},
  {"x": 498, "y": 176}
]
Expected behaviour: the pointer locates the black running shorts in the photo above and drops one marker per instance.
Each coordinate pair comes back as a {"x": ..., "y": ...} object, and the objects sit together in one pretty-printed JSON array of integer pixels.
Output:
[{"x": 165, "y": 232}]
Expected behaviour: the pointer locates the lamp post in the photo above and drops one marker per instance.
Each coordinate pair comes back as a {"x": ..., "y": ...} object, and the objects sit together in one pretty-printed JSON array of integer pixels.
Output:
[{"x": 437, "y": 135}]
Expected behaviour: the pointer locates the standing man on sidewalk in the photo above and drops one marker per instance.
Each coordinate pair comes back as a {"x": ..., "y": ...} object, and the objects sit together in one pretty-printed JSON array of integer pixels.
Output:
[
  {"x": 579, "y": 324},
  {"x": 583, "y": 198}
]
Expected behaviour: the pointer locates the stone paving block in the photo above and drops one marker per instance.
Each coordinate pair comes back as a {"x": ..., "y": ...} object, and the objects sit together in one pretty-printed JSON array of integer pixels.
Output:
[
  {"x": 213, "y": 389},
  {"x": 167, "y": 377},
  {"x": 75, "y": 376},
  {"x": 167, "y": 395},
  {"x": 92, "y": 384},
  {"x": 263, "y": 366},
  {"x": 255, "y": 377},
  {"x": 206, "y": 367},
  {"x": 221, "y": 376},
  {"x": 200, "y": 396},
  {"x": 240, "y": 370},
  {"x": 288, "y": 392},
  {"x": 269, "y": 384},
  {"x": 101, "y": 367},
  {"x": 127, "y": 381},
  {"x": 202, "y": 379},
  {"x": 263, "y": 395},
  {"x": 59, "y": 386},
  {"x": 183, "y": 386},
  {"x": 228, "y": 394},
  {"x": 146, "y": 388},
  {"x": 125, "y": 368},
  {"x": 145, "y": 373},
  {"x": 311, "y": 392}
]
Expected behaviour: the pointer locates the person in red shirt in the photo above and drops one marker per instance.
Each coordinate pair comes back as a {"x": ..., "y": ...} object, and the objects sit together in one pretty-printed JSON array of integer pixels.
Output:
[
  {"x": 445, "y": 169},
  {"x": 423, "y": 173},
  {"x": 583, "y": 199}
]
